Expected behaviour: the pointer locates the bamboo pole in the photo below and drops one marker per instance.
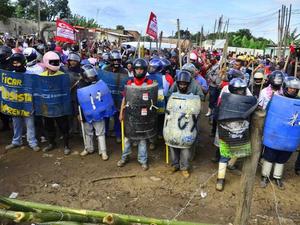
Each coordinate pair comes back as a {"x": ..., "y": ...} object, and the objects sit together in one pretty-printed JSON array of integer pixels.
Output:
[
  {"x": 64, "y": 223},
  {"x": 97, "y": 214},
  {"x": 112, "y": 219},
  {"x": 19, "y": 217},
  {"x": 286, "y": 61}
]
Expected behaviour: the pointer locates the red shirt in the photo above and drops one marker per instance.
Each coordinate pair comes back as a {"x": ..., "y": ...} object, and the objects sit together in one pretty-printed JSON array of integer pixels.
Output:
[
  {"x": 139, "y": 82},
  {"x": 169, "y": 79}
]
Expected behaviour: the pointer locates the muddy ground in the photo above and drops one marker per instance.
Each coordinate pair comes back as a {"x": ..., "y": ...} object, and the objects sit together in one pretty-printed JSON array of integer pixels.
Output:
[{"x": 152, "y": 193}]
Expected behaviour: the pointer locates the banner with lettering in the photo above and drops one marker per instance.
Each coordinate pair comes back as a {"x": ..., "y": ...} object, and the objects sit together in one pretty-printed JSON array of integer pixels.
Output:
[
  {"x": 26, "y": 94},
  {"x": 64, "y": 32},
  {"x": 16, "y": 93},
  {"x": 152, "y": 26}
]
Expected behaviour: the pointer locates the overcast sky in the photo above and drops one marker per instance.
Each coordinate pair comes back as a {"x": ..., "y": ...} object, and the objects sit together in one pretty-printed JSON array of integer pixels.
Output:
[{"x": 260, "y": 16}]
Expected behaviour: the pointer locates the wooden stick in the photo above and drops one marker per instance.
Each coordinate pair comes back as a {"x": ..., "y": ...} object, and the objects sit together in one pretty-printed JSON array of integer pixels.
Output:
[
  {"x": 249, "y": 170},
  {"x": 167, "y": 154},
  {"x": 112, "y": 177},
  {"x": 286, "y": 62},
  {"x": 123, "y": 136}
]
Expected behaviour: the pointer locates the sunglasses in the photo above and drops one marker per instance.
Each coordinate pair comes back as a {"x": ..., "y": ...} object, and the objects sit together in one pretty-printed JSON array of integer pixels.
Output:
[{"x": 54, "y": 62}]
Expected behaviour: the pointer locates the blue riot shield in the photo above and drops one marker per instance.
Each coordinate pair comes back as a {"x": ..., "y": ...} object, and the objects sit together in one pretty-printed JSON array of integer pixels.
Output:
[
  {"x": 115, "y": 83},
  {"x": 161, "y": 103},
  {"x": 52, "y": 97},
  {"x": 96, "y": 102},
  {"x": 282, "y": 124}
]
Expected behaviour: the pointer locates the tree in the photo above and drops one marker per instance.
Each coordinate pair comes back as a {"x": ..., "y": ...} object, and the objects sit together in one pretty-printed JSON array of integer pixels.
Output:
[
  {"x": 252, "y": 43},
  {"x": 184, "y": 34},
  {"x": 49, "y": 9},
  {"x": 120, "y": 27},
  {"x": 245, "y": 42},
  {"x": 77, "y": 20},
  {"x": 294, "y": 37},
  {"x": 244, "y": 32},
  {"x": 6, "y": 10}
]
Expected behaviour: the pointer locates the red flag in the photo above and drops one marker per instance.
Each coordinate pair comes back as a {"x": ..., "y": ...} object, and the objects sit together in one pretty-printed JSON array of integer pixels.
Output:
[
  {"x": 64, "y": 32},
  {"x": 152, "y": 26}
]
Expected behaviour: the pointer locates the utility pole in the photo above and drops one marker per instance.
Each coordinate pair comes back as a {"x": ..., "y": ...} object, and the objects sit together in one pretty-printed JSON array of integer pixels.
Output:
[
  {"x": 38, "y": 17},
  {"x": 284, "y": 18},
  {"x": 179, "y": 45},
  {"x": 201, "y": 35}
]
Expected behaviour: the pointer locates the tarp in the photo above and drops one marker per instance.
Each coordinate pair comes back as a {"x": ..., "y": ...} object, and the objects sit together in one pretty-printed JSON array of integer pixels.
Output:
[{"x": 22, "y": 94}]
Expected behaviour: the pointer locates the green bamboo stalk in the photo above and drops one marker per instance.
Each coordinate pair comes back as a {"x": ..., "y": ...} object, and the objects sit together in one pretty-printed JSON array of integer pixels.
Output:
[
  {"x": 61, "y": 223},
  {"x": 98, "y": 214},
  {"x": 64, "y": 223},
  {"x": 5, "y": 214},
  {"x": 5, "y": 203},
  {"x": 112, "y": 219},
  {"x": 46, "y": 217}
]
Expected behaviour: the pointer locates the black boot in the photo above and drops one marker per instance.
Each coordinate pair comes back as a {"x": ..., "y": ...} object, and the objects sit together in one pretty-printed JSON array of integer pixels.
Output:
[
  {"x": 264, "y": 182},
  {"x": 67, "y": 150},
  {"x": 279, "y": 183},
  {"x": 49, "y": 147}
]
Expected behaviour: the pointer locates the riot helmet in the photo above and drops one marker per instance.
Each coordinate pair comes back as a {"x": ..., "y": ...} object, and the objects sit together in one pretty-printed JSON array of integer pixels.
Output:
[
  {"x": 238, "y": 86},
  {"x": 276, "y": 79},
  {"x": 106, "y": 57},
  {"x": 258, "y": 78},
  {"x": 17, "y": 62},
  {"x": 234, "y": 73},
  {"x": 138, "y": 65},
  {"x": 51, "y": 61},
  {"x": 291, "y": 87},
  {"x": 74, "y": 59},
  {"x": 116, "y": 58},
  {"x": 190, "y": 67},
  {"x": 5, "y": 53},
  {"x": 166, "y": 65},
  {"x": 183, "y": 80},
  {"x": 89, "y": 73},
  {"x": 155, "y": 66},
  {"x": 31, "y": 55}
]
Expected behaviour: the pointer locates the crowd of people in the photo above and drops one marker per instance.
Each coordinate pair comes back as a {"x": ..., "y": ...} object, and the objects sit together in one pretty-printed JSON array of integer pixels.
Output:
[{"x": 207, "y": 74}]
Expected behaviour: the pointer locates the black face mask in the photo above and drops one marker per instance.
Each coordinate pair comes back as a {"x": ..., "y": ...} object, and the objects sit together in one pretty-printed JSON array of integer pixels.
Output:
[
  {"x": 276, "y": 87},
  {"x": 54, "y": 62},
  {"x": 18, "y": 69}
]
